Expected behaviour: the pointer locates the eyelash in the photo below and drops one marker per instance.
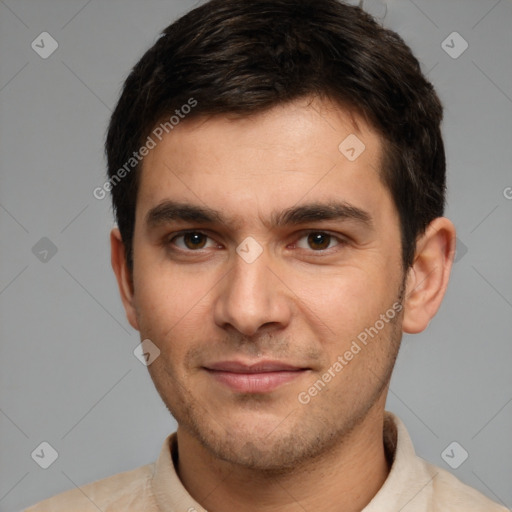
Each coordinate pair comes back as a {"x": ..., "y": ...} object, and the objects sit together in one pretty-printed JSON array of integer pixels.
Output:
[{"x": 341, "y": 241}]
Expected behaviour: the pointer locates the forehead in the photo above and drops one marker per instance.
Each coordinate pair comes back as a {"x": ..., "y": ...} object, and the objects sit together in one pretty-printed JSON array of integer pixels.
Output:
[{"x": 304, "y": 151}]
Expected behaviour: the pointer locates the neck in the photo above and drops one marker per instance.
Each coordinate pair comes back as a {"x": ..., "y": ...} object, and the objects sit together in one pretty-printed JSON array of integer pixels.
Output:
[{"x": 344, "y": 480}]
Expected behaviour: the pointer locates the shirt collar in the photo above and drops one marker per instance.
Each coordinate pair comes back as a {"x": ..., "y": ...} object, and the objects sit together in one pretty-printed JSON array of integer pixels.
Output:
[{"x": 408, "y": 485}]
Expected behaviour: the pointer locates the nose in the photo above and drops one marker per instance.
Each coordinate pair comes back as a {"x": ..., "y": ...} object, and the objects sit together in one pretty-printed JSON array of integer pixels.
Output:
[{"x": 252, "y": 297}]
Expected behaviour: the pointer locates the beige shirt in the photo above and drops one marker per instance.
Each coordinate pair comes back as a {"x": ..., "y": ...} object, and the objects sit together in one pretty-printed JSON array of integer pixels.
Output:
[{"x": 413, "y": 485}]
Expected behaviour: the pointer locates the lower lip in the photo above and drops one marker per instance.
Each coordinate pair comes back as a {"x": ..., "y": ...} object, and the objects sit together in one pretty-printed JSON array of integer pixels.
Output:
[{"x": 255, "y": 382}]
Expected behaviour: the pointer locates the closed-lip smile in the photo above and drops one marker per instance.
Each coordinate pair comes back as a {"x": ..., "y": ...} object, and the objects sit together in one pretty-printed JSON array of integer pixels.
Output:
[{"x": 258, "y": 377}]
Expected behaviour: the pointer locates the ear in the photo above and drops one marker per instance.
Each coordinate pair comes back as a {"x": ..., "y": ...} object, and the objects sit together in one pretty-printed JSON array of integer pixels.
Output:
[
  {"x": 123, "y": 276},
  {"x": 428, "y": 276}
]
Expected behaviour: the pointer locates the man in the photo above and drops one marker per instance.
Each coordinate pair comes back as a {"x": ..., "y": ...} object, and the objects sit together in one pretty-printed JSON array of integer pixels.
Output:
[{"x": 278, "y": 177}]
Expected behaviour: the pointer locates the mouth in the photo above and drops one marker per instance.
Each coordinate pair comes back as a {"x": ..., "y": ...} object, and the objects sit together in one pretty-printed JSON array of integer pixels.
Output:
[{"x": 260, "y": 377}]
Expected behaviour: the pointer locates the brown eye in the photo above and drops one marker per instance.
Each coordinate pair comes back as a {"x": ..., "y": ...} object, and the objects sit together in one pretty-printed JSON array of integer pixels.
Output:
[
  {"x": 194, "y": 240},
  {"x": 319, "y": 241},
  {"x": 190, "y": 241}
]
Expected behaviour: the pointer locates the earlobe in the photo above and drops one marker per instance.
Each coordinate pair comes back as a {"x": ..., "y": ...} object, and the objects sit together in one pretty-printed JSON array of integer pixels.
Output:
[
  {"x": 428, "y": 277},
  {"x": 123, "y": 276}
]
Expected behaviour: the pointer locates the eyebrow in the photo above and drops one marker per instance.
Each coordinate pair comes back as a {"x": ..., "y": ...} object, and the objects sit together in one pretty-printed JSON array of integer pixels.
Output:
[{"x": 169, "y": 211}]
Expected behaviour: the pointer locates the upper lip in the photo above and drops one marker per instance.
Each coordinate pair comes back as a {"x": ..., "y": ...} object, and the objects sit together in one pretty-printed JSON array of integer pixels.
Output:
[{"x": 257, "y": 367}]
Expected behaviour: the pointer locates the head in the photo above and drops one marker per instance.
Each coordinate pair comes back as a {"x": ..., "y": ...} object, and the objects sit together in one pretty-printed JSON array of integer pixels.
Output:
[{"x": 298, "y": 144}]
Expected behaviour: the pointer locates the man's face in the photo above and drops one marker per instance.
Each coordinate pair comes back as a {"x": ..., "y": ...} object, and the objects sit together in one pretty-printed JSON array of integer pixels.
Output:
[{"x": 257, "y": 303}]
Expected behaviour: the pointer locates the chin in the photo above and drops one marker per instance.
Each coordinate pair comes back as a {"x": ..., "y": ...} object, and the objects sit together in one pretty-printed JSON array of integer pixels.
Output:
[
  {"x": 262, "y": 455},
  {"x": 278, "y": 448}
]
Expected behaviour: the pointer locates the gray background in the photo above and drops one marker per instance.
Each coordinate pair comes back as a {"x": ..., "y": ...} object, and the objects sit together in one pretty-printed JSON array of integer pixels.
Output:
[{"x": 68, "y": 373}]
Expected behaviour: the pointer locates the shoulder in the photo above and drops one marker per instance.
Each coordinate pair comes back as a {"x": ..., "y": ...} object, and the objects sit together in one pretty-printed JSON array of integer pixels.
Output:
[
  {"x": 415, "y": 484},
  {"x": 449, "y": 493},
  {"x": 130, "y": 490}
]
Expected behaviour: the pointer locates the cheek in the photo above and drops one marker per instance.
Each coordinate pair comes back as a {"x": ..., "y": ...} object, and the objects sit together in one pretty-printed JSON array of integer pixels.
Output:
[
  {"x": 346, "y": 299},
  {"x": 351, "y": 309},
  {"x": 172, "y": 309},
  {"x": 163, "y": 295}
]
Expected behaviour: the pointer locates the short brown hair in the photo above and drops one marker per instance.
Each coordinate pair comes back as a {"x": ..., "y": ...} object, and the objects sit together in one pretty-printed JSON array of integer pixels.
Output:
[{"x": 243, "y": 57}]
